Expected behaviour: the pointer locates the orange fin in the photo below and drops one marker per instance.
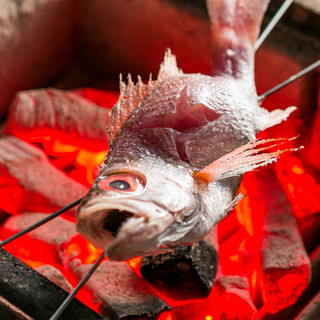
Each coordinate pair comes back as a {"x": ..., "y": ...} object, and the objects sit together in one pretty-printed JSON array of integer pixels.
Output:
[{"x": 242, "y": 159}]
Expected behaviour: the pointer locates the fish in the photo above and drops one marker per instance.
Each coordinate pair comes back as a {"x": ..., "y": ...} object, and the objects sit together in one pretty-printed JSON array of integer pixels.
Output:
[{"x": 180, "y": 144}]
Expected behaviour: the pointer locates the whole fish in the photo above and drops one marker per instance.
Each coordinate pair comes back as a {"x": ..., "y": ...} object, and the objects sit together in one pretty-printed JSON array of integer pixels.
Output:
[{"x": 180, "y": 145}]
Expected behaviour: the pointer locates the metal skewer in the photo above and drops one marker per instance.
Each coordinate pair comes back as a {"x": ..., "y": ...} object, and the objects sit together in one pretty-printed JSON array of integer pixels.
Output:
[
  {"x": 273, "y": 23},
  {"x": 41, "y": 222},
  {"x": 67, "y": 301},
  {"x": 291, "y": 79}
]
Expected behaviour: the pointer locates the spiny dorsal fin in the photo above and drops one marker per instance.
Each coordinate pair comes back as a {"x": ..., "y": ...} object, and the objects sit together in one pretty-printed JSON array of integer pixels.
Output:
[
  {"x": 132, "y": 94},
  {"x": 169, "y": 67}
]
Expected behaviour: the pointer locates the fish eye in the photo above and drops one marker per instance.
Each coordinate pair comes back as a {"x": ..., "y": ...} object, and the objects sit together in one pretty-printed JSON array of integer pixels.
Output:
[
  {"x": 121, "y": 182},
  {"x": 120, "y": 185}
]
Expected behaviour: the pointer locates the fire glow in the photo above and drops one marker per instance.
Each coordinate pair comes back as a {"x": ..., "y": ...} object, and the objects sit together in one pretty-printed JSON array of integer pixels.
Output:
[{"x": 248, "y": 267}]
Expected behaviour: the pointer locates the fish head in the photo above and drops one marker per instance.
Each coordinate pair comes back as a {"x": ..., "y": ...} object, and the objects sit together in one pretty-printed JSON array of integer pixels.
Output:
[{"x": 136, "y": 209}]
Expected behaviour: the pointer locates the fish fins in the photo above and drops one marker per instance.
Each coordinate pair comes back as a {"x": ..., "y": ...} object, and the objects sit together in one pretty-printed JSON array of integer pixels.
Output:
[
  {"x": 270, "y": 119},
  {"x": 234, "y": 202},
  {"x": 168, "y": 67},
  {"x": 131, "y": 94},
  {"x": 245, "y": 158}
]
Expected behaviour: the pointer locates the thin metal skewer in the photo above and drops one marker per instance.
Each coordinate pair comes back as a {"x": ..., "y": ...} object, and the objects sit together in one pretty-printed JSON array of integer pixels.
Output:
[
  {"x": 41, "y": 222},
  {"x": 273, "y": 22},
  {"x": 289, "y": 80},
  {"x": 67, "y": 301}
]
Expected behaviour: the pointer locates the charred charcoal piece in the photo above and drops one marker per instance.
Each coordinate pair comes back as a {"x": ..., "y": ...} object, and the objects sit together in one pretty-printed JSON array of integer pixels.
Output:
[
  {"x": 312, "y": 310},
  {"x": 35, "y": 295},
  {"x": 55, "y": 276},
  {"x": 66, "y": 115},
  {"x": 285, "y": 266},
  {"x": 29, "y": 182},
  {"x": 185, "y": 273},
  {"x": 120, "y": 292}
]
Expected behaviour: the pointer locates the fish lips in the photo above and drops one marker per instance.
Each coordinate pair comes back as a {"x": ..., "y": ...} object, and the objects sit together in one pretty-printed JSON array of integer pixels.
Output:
[{"x": 123, "y": 229}]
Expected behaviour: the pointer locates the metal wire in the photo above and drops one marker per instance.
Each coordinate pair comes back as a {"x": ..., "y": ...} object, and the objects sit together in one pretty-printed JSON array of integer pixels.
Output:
[
  {"x": 273, "y": 23},
  {"x": 67, "y": 301},
  {"x": 289, "y": 80},
  {"x": 41, "y": 222}
]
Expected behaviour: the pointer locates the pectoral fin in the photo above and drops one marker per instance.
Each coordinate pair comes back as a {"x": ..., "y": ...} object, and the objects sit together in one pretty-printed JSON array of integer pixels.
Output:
[{"x": 245, "y": 158}]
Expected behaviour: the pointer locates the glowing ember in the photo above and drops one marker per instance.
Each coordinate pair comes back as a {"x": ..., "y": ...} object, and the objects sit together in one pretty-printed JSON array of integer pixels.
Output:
[{"x": 301, "y": 187}]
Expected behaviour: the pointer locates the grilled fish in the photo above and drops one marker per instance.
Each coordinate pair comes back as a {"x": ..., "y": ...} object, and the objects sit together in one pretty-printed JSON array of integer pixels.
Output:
[{"x": 180, "y": 145}]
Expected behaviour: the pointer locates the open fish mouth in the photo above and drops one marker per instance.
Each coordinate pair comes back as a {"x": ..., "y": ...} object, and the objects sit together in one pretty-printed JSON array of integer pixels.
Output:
[{"x": 122, "y": 230}]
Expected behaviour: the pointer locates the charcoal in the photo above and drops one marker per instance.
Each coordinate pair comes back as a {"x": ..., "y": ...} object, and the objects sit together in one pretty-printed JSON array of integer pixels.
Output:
[
  {"x": 51, "y": 112},
  {"x": 284, "y": 263},
  {"x": 35, "y": 295},
  {"x": 312, "y": 310},
  {"x": 9, "y": 311},
  {"x": 120, "y": 292},
  {"x": 185, "y": 273},
  {"x": 29, "y": 182},
  {"x": 55, "y": 276},
  {"x": 232, "y": 299},
  {"x": 291, "y": 312}
]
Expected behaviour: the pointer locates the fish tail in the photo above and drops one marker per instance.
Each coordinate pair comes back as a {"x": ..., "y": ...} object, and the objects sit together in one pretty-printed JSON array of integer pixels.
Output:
[{"x": 235, "y": 26}]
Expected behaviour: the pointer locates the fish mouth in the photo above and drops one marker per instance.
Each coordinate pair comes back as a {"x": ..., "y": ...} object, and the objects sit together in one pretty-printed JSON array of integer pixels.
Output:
[
  {"x": 122, "y": 230},
  {"x": 113, "y": 220}
]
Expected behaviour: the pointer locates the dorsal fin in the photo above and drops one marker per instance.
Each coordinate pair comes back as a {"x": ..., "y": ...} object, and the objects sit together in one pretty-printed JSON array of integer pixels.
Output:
[
  {"x": 169, "y": 67},
  {"x": 132, "y": 94}
]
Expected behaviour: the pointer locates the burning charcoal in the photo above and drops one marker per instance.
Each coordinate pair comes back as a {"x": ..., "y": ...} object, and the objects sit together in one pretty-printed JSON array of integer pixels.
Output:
[
  {"x": 300, "y": 186},
  {"x": 236, "y": 258},
  {"x": 35, "y": 295},
  {"x": 312, "y": 310},
  {"x": 185, "y": 273},
  {"x": 231, "y": 298},
  {"x": 55, "y": 276},
  {"x": 285, "y": 266},
  {"x": 120, "y": 292},
  {"x": 65, "y": 115},
  {"x": 45, "y": 244},
  {"x": 291, "y": 312},
  {"x": 29, "y": 182}
]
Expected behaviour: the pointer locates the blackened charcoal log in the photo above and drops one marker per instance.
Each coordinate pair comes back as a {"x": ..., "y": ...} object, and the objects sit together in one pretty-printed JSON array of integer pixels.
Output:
[
  {"x": 55, "y": 276},
  {"x": 312, "y": 310},
  {"x": 284, "y": 263},
  {"x": 29, "y": 182},
  {"x": 120, "y": 292},
  {"x": 185, "y": 273},
  {"x": 35, "y": 295},
  {"x": 66, "y": 115}
]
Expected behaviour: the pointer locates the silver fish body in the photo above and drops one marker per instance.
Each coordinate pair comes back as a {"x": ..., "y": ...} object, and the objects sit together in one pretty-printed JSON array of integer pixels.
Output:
[{"x": 146, "y": 197}]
